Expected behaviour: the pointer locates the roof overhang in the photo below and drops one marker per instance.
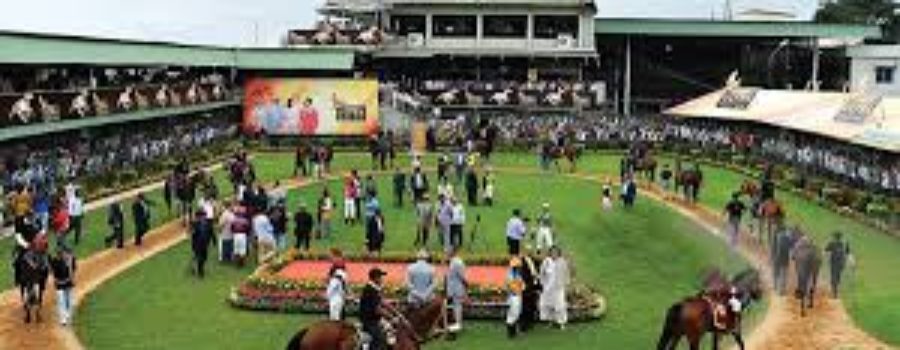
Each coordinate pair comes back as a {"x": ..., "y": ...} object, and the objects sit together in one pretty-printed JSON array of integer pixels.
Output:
[
  {"x": 701, "y": 28},
  {"x": 45, "y": 49}
]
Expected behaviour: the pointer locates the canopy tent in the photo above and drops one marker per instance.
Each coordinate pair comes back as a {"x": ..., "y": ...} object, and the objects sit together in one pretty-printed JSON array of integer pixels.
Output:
[{"x": 867, "y": 120}]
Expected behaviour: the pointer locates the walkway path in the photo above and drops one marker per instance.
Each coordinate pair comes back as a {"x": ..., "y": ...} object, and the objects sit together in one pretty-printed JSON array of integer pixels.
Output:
[{"x": 828, "y": 327}]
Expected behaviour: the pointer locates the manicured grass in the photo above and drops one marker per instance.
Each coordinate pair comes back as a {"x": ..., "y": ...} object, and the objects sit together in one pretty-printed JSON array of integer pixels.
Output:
[{"x": 642, "y": 260}]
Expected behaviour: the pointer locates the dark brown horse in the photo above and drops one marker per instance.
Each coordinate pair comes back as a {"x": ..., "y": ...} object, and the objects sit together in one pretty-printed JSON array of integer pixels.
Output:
[
  {"x": 689, "y": 181},
  {"x": 32, "y": 272},
  {"x": 807, "y": 261},
  {"x": 410, "y": 330},
  {"x": 569, "y": 152},
  {"x": 694, "y": 317}
]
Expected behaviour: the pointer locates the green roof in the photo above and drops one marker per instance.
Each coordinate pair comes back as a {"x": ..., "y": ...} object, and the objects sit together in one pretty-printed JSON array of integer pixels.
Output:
[
  {"x": 702, "y": 28},
  {"x": 27, "y": 48},
  {"x": 17, "y": 132}
]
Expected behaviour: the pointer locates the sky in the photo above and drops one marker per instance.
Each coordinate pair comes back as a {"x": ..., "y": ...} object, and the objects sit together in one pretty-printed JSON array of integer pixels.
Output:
[{"x": 265, "y": 22}]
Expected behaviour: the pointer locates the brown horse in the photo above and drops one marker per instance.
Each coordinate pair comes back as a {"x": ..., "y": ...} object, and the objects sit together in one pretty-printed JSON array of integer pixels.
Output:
[
  {"x": 693, "y": 317},
  {"x": 689, "y": 180},
  {"x": 569, "y": 152},
  {"x": 770, "y": 215},
  {"x": 750, "y": 189},
  {"x": 410, "y": 330}
]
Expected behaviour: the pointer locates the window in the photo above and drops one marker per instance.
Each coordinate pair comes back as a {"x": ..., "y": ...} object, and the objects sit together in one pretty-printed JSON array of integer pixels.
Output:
[
  {"x": 884, "y": 74},
  {"x": 455, "y": 26},
  {"x": 550, "y": 27},
  {"x": 506, "y": 26},
  {"x": 403, "y": 25}
]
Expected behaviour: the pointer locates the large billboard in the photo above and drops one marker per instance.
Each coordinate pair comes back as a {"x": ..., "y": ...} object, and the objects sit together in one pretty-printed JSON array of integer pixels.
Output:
[{"x": 311, "y": 106}]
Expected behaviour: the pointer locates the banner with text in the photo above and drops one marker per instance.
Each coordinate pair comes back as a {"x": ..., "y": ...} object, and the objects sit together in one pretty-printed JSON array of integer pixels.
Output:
[{"x": 311, "y": 106}]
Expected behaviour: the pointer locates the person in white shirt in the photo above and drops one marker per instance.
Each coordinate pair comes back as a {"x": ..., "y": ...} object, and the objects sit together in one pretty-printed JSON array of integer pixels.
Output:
[
  {"x": 265, "y": 237},
  {"x": 555, "y": 278},
  {"x": 336, "y": 294},
  {"x": 544, "y": 239},
  {"x": 457, "y": 221},
  {"x": 226, "y": 238},
  {"x": 76, "y": 213}
]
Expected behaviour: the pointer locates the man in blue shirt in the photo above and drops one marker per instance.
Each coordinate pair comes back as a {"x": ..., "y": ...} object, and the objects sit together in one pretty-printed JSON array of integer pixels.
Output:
[{"x": 515, "y": 233}]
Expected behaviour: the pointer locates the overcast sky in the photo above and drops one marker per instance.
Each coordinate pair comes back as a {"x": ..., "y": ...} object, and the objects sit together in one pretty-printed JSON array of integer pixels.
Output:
[{"x": 263, "y": 22}]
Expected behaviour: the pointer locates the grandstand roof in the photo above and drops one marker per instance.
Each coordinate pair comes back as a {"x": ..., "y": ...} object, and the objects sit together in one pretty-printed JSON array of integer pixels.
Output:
[
  {"x": 705, "y": 28},
  {"x": 810, "y": 112},
  {"x": 552, "y": 3},
  {"x": 29, "y": 48}
]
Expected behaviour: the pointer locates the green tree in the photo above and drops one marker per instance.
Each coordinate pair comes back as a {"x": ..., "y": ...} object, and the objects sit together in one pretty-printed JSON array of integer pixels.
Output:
[{"x": 874, "y": 12}]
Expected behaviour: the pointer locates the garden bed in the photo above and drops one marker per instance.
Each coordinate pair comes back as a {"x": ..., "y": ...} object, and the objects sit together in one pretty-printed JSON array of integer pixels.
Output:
[{"x": 295, "y": 283}]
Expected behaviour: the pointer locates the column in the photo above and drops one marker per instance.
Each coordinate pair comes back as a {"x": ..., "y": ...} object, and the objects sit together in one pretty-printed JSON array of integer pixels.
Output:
[
  {"x": 815, "y": 64},
  {"x": 626, "y": 93}
]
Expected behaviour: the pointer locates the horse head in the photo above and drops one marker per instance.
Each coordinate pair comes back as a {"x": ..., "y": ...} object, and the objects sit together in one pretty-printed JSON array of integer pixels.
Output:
[{"x": 749, "y": 286}]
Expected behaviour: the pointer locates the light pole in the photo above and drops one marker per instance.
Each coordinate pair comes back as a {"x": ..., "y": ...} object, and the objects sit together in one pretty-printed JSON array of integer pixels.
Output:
[{"x": 781, "y": 45}]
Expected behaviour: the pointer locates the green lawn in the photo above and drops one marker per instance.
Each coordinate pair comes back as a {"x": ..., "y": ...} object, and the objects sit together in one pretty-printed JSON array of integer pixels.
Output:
[{"x": 641, "y": 260}]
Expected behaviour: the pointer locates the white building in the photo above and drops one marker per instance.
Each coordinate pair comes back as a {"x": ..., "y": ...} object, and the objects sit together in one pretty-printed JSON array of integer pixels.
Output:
[{"x": 873, "y": 68}]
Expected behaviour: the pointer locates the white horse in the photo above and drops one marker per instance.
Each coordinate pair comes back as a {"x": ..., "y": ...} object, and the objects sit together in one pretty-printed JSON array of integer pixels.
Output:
[
  {"x": 371, "y": 36},
  {"x": 80, "y": 105},
  {"x": 555, "y": 98},
  {"x": 192, "y": 94},
  {"x": 219, "y": 91},
  {"x": 502, "y": 98},
  {"x": 448, "y": 97},
  {"x": 22, "y": 110},
  {"x": 125, "y": 101},
  {"x": 162, "y": 96}
]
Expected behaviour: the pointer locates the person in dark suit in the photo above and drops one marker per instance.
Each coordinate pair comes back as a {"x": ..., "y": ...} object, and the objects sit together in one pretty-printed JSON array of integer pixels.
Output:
[
  {"x": 116, "y": 221},
  {"x": 532, "y": 292},
  {"x": 371, "y": 309},
  {"x": 201, "y": 239},
  {"x": 303, "y": 225},
  {"x": 140, "y": 211},
  {"x": 399, "y": 186},
  {"x": 472, "y": 187},
  {"x": 418, "y": 182}
]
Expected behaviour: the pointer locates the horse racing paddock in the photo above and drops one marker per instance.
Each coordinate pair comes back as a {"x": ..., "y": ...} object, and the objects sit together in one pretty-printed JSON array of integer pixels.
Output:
[{"x": 640, "y": 260}]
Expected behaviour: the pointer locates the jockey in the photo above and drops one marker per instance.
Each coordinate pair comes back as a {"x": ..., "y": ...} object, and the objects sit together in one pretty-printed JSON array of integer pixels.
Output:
[
  {"x": 544, "y": 238},
  {"x": 420, "y": 281},
  {"x": 336, "y": 294}
]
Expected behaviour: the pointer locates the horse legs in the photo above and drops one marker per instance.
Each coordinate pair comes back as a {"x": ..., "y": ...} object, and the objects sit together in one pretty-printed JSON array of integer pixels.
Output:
[
  {"x": 738, "y": 339},
  {"x": 715, "y": 340},
  {"x": 25, "y": 303}
]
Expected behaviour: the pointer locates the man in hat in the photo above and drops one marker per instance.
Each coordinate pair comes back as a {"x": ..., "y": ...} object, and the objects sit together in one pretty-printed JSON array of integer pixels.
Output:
[
  {"x": 532, "y": 292},
  {"x": 735, "y": 211},
  {"x": 140, "y": 211},
  {"x": 372, "y": 309},
  {"x": 63, "y": 268},
  {"x": 420, "y": 279},
  {"x": 544, "y": 239},
  {"x": 839, "y": 253}
]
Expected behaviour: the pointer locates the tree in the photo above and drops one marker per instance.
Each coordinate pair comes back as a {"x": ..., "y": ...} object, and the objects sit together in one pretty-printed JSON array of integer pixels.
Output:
[{"x": 882, "y": 13}]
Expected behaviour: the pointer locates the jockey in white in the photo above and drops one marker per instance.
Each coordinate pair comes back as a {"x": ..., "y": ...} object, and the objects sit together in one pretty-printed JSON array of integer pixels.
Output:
[
  {"x": 336, "y": 294},
  {"x": 544, "y": 239}
]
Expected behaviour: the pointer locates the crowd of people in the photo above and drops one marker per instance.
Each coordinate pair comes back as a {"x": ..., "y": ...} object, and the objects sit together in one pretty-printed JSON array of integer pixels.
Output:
[{"x": 814, "y": 155}]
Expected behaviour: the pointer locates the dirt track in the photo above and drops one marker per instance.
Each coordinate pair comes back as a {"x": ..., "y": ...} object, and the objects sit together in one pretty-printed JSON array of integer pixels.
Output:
[{"x": 828, "y": 327}]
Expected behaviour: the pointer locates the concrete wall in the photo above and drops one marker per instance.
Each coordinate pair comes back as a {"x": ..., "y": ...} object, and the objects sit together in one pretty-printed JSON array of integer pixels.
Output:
[{"x": 865, "y": 60}]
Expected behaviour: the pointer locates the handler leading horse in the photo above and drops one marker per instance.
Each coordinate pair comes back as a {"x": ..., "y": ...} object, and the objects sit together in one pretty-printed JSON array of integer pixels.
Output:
[
  {"x": 410, "y": 330},
  {"x": 712, "y": 311}
]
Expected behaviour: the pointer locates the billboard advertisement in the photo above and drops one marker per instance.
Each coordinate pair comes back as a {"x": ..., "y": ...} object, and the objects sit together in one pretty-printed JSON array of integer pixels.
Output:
[{"x": 311, "y": 106}]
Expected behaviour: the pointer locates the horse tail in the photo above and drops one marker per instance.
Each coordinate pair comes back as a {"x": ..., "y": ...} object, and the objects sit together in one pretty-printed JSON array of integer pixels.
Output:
[
  {"x": 294, "y": 344},
  {"x": 668, "y": 332}
]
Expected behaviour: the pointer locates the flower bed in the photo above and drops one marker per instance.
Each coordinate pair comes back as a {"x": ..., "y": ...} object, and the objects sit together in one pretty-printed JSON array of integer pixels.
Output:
[{"x": 268, "y": 289}]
